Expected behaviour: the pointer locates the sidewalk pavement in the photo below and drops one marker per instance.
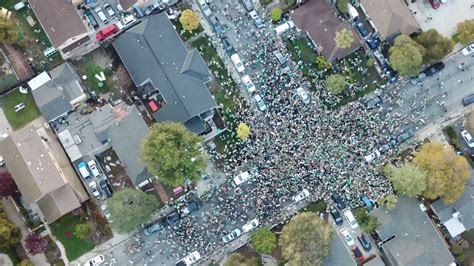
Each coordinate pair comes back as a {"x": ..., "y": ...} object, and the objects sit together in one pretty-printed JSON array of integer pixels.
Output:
[{"x": 5, "y": 260}]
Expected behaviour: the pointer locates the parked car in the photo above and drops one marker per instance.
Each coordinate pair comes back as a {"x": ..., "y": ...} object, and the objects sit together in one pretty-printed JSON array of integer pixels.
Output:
[
  {"x": 190, "y": 259},
  {"x": 468, "y": 138},
  {"x": 374, "y": 102},
  {"x": 126, "y": 21},
  {"x": 260, "y": 103},
  {"x": 435, "y": 3},
  {"x": 468, "y": 49},
  {"x": 97, "y": 260},
  {"x": 106, "y": 32},
  {"x": 235, "y": 58},
  {"x": 380, "y": 58},
  {"x": 216, "y": 26},
  {"x": 205, "y": 8},
  {"x": 364, "y": 242},
  {"x": 156, "y": 227},
  {"x": 101, "y": 14},
  {"x": 347, "y": 236},
  {"x": 256, "y": 19},
  {"x": 350, "y": 219},
  {"x": 302, "y": 95},
  {"x": 388, "y": 146},
  {"x": 190, "y": 208},
  {"x": 281, "y": 59},
  {"x": 358, "y": 254},
  {"x": 372, "y": 156},
  {"x": 104, "y": 185},
  {"x": 83, "y": 170},
  {"x": 172, "y": 218},
  {"x": 301, "y": 196},
  {"x": 94, "y": 189},
  {"x": 241, "y": 178},
  {"x": 336, "y": 216},
  {"x": 247, "y": 4},
  {"x": 338, "y": 200},
  {"x": 250, "y": 225},
  {"x": 362, "y": 29},
  {"x": 91, "y": 19},
  {"x": 93, "y": 167},
  {"x": 229, "y": 49},
  {"x": 366, "y": 202},
  {"x": 468, "y": 100},
  {"x": 418, "y": 78},
  {"x": 109, "y": 9},
  {"x": 406, "y": 135},
  {"x": 154, "y": 8},
  {"x": 370, "y": 42},
  {"x": 433, "y": 69},
  {"x": 233, "y": 235},
  {"x": 248, "y": 83}
]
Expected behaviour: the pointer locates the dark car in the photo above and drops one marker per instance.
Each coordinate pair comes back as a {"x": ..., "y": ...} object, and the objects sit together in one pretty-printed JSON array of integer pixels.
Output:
[
  {"x": 229, "y": 49},
  {"x": 247, "y": 4},
  {"x": 468, "y": 100},
  {"x": 364, "y": 242},
  {"x": 370, "y": 42},
  {"x": 90, "y": 18},
  {"x": 433, "y": 69},
  {"x": 216, "y": 25},
  {"x": 190, "y": 208},
  {"x": 172, "y": 218},
  {"x": 406, "y": 135},
  {"x": 104, "y": 185},
  {"x": 372, "y": 103},
  {"x": 336, "y": 216},
  {"x": 153, "y": 228},
  {"x": 362, "y": 29},
  {"x": 338, "y": 200},
  {"x": 358, "y": 254},
  {"x": 387, "y": 146}
]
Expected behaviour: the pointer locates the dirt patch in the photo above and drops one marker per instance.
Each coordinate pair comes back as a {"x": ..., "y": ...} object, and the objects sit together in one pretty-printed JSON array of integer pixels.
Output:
[
  {"x": 19, "y": 62},
  {"x": 114, "y": 170}
]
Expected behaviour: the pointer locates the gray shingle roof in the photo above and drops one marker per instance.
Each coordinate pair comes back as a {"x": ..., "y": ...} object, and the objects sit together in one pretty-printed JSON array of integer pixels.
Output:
[
  {"x": 464, "y": 205},
  {"x": 153, "y": 52}
]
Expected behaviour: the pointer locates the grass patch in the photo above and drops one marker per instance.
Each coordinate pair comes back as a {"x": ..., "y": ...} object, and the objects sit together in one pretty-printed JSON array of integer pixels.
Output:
[
  {"x": 89, "y": 68},
  {"x": 318, "y": 206},
  {"x": 301, "y": 50},
  {"x": 26, "y": 115},
  {"x": 74, "y": 246},
  {"x": 6, "y": 81},
  {"x": 12, "y": 255}
]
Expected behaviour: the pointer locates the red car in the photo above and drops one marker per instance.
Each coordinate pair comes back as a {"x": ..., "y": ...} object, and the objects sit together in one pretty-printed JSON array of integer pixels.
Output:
[
  {"x": 358, "y": 254},
  {"x": 435, "y": 3},
  {"x": 106, "y": 32}
]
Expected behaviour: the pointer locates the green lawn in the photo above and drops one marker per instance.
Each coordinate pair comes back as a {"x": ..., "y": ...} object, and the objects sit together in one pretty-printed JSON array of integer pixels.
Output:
[
  {"x": 21, "y": 118},
  {"x": 6, "y": 81},
  {"x": 74, "y": 246},
  {"x": 88, "y": 67},
  {"x": 301, "y": 51}
]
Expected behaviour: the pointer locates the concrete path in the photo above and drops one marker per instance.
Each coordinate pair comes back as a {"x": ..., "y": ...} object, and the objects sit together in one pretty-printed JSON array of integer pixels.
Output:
[
  {"x": 4, "y": 124},
  {"x": 5, "y": 260}
]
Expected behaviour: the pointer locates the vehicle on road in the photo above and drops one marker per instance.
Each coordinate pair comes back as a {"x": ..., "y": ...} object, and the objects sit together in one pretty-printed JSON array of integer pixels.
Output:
[
  {"x": 256, "y": 19},
  {"x": 357, "y": 254},
  {"x": 374, "y": 102},
  {"x": 229, "y": 49},
  {"x": 233, "y": 235},
  {"x": 101, "y": 14},
  {"x": 172, "y": 218},
  {"x": 109, "y": 9},
  {"x": 248, "y": 83},
  {"x": 190, "y": 208},
  {"x": 336, "y": 216},
  {"x": 468, "y": 100},
  {"x": 467, "y": 138},
  {"x": 301, "y": 196},
  {"x": 205, "y": 8},
  {"x": 338, "y": 200},
  {"x": 361, "y": 28},
  {"x": 216, "y": 26},
  {"x": 94, "y": 189},
  {"x": 347, "y": 236},
  {"x": 104, "y": 185},
  {"x": 93, "y": 167},
  {"x": 405, "y": 136},
  {"x": 241, "y": 178},
  {"x": 418, "y": 79},
  {"x": 364, "y": 242},
  {"x": 97, "y": 260},
  {"x": 260, "y": 103},
  {"x": 370, "y": 42},
  {"x": 247, "y": 4},
  {"x": 235, "y": 58},
  {"x": 372, "y": 156},
  {"x": 468, "y": 49},
  {"x": 350, "y": 219},
  {"x": 433, "y": 69},
  {"x": 82, "y": 167},
  {"x": 302, "y": 95},
  {"x": 126, "y": 21},
  {"x": 250, "y": 225},
  {"x": 435, "y": 3},
  {"x": 157, "y": 227},
  {"x": 388, "y": 146},
  {"x": 91, "y": 19},
  {"x": 190, "y": 259}
]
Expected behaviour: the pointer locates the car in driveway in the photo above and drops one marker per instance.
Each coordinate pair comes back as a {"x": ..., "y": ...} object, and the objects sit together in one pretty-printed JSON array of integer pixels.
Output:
[
  {"x": 229, "y": 49},
  {"x": 241, "y": 178},
  {"x": 91, "y": 19},
  {"x": 405, "y": 135},
  {"x": 380, "y": 58},
  {"x": 126, "y": 22},
  {"x": 247, "y": 4},
  {"x": 260, "y": 103},
  {"x": 97, "y": 260},
  {"x": 156, "y": 227},
  {"x": 374, "y": 102},
  {"x": 216, "y": 26},
  {"x": 302, "y": 95},
  {"x": 467, "y": 138},
  {"x": 106, "y": 32},
  {"x": 205, "y": 8},
  {"x": 94, "y": 189},
  {"x": 361, "y": 28},
  {"x": 83, "y": 170},
  {"x": 105, "y": 186},
  {"x": 301, "y": 196},
  {"x": 358, "y": 254},
  {"x": 233, "y": 235},
  {"x": 190, "y": 259},
  {"x": 256, "y": 19},
  {"x": 350, "y": 219},
  {"x": 101, "y": 14},
  {"x": 93, "y": 167},
  {"x": 248, "y": 83},
  {"x": 109, "y": 9},
  {"x": 250, "y": 225},
  {"x": 364, "y": 242},
  {"x": 468, "y": 49},
  {"x": 338, "y": 200},
  {"x": 433, "y": 69},
  {"x": 346, "y": 235},
  {"x": 468, "y": 100},
  {"x": 336, "y": 216}
]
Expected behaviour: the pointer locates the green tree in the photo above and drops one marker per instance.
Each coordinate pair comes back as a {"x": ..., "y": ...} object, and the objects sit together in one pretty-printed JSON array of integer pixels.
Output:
[
  {"x": 437, "y": 46},
  {"x": 236, "y": 259},
  {"x": 322, "y": 63},
  {"x": 275, "y": 14},
  {"x": 243, "y": 131},
  {"x": 336, "y": 83},
  {"x": 370, "y": 63},
  {"x": 366, "y": 222},
  {"x": 25, "y": 263},
  {"x": 342, "y": 5},
  {"x": 406, "y": 56},
  {"x": 446, "y": 171},
  {"x": 82, "y": 230},
  {"x": 390, "y": 201},
  {"x": 8, "y": 32},
  {"x": 465, "y": 34},
  {"x": 304, "y": 241},
  {"x": 10, "y": 234},
  {"x": 189, "y": 20},
  {"x": 290, "y": 2},
  {"x": 129, "y": 208},
  {"x": 172, "y": 153},
  {"x": 266, "y": 2},
  {"x": 408, "y": 179},
  {"x": 263, "y": 240},
  {"x": 344, "y": 38}
]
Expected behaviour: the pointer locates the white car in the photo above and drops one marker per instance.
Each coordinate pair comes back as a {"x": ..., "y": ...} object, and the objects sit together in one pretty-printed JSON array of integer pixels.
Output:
[
  {"x": 101, "y": 14},
  {"x": 241, "y": 178},
  {"x": 260, "y": 103},
  {"x": 350, "y": 219},
  {"x": 301, "y": 93},
  {"x": 97, "y": 260},
  {"x": 375, "y": 154},
  {"x": 93, "y": 167},
  {"x": 250, "y": 225},
  {"x": 190, "y": 259},
  {"x": 205, "y": 8},
  {"x": 347, "y": 236},
  {"x": 468, "y": 138},
  {"x": 126, "y": 21},
  {"x": 301, "y": 196},
  {"x": 235, "y": 58},
  {"x": 248, "y": 83},
  {"x": 109, "y": 10},
  {"x": 233, "y": 235},
  {"x": 94, "y": 189},
  {"x": 468, "y": 49}
]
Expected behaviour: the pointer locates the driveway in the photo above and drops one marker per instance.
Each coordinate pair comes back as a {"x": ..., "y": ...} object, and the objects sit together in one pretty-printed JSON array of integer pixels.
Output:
[{"x": 4, "y": 125}]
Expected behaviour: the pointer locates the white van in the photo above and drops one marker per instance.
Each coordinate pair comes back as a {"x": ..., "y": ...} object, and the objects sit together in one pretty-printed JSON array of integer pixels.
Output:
[
  {"x": 284, "y": 27},
  {"x": 235, "y": 58},
  {"x": 101, "y": 14},
  {"x": 352, "y": 12},
  {"x": 350, "y": 219}
]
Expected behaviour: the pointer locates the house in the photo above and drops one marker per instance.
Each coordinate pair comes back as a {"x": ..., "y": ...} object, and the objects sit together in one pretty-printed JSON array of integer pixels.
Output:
[
  {"x": 459, "y": 216},
  {"x": 389, "y": 18},
  {"x": 64, "y": 27},
  {"x": 58, "y": 92},
  {"x": 408, "y": 237},
  {"x": 40, "y": 178},
  {"x": 155, "y": 57},
  {"x": 320, "y": 22}
]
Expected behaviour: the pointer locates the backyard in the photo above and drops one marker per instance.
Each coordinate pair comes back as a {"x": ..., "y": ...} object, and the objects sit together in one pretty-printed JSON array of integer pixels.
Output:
[
  {"x": 92, "y": 64},
  {"x": 7, "y": 77},
  {"x": 22, "y": 117}
]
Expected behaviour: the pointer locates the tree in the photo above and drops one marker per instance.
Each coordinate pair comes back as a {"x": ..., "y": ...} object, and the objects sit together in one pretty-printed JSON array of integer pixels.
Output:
[
  {"x": 366, "y": 222},
  {"x": 263, "y": 240},
  {"x": 408, "y": 179},
  {"x": 7, "y": 185},
  {"x": 25, "y": 263},
  {"x": 322, "y": 63},
  {"x": 35, "y": 244},
  {"x": 446, "y": 171},
  {"x": 305, "y": 240},
  {"x": 266, "y": 2},
  {"x": 172, "y": 153},
  {"x": 290, "y": 3},
  {"x": 236, "y": 259},
  {"x": 344, "y": 38},
  {"x": 275, "y": 14},
  {"x": 129, "y": 208},
  {"x": 369, "y": 63},
  {"x": 406, "y": 56},
  {"x": 243, "y": 131},
  {"x": 437, "y": 46},
  {"x": 10, "y": 234},
  {"x": 342, "y": 5},
  {"x": 389, "y": 201},
  {"x": 465, "y": 34},
  {"x": 82, "y": 230},
  {"x": 8, "y": 32},
  {"x": 336, "y": 83},
  {"x": 189, "y": 19}
]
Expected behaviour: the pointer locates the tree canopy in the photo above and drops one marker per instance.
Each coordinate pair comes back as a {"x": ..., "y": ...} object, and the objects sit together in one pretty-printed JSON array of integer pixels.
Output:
[
  {"x": 390, "y": 201},
  {"x": 263, "y": 240},
  {"x": 465, "y": 34},
  {"x": 243, "y": 131},
  {"x": 8, "y": 32},
  {"x": 336, "y": 83},
  {"x": 342, "y": 5},
  {"x": 129, "y": 208},
  {"x": 35, "y": 244},
  {"x": 275, "y": 14},
  {"x": 437, "y": 46},
  {"x": 408, "y": 179},
  {"x": 172, "y": 153},
  {"x": 7, "y": 185},
  {"x": 305, "y": 240},
  {"x": 406, "y": 56},
  {"x": 82, "y": 230},
  {"x": 189, "y": 19},
  {"x": 366, "y": 222},
  {"x": 10, "y": 234},
  {"x": 446, "y": 171},
  {"x": 344, "y": 38}
]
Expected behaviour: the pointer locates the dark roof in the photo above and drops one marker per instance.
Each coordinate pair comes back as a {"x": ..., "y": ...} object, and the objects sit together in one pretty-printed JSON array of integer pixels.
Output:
[
  {"x": 464, "y": 205},
  {"x": 76, "y": 44},
  {"x": 58, "y": 203},
  {"x": 153, "y": 52},
  {"x": 126, "y": 4},
  {"x": 59, "y": 19},
  {"x": 320, "y": 21},
  {"x": 416, "y": 240}
]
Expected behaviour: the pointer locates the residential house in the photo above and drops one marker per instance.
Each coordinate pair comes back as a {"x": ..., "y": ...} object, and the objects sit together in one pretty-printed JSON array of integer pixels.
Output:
[
  {"x": 390, "y": 18},
  {"x": 64, "y": 27},
  {"x": 38, "y": 175},
  {"x": 320, "y": 21},
  {"x": 58, "y": 91},
  {"x": 155, "y": 57},
  {"x": 408, "y": 236}
]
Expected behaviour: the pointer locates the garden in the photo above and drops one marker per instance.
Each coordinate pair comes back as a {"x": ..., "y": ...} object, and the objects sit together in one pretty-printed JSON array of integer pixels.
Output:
[{"x": 19, "y": 118}]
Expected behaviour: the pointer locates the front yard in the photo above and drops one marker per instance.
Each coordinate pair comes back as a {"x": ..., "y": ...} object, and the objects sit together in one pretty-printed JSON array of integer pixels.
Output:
[{"x": 19, "y": 119}]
